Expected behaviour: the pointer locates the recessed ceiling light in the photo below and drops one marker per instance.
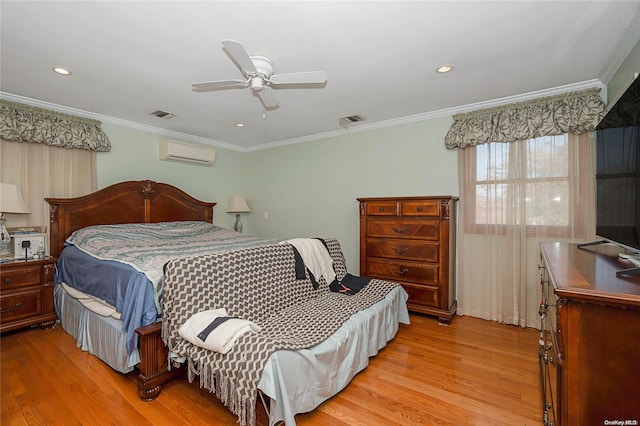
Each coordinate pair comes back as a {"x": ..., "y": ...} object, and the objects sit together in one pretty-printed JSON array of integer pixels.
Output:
[
  {"x": 444, "y": 69},
  {"x": 239, "y": 124},
  {"x": 62, "y": 71}
]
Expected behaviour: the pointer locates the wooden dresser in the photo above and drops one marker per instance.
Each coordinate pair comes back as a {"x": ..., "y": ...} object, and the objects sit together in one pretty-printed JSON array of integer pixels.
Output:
[
  {"x": 26, "y": 296},
  {"x": 590, "y": 341},
  {"x": 411, "y": 240}
]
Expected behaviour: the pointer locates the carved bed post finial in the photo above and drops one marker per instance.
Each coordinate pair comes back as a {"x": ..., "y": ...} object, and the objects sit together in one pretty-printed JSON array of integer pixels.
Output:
[
  {"x": 146, "y": 192},
  {"x": 53, "y": 213},
  {"x": 147, "y": 189}
]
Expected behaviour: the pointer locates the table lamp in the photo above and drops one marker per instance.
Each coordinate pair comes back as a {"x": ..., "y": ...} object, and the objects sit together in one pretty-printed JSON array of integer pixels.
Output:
[{"x": 237, "y": 205}]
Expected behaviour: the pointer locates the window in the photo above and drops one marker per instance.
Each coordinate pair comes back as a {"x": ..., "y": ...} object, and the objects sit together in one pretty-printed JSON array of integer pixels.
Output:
[
  {"x": 523, "y": 183},
  {"x": 518, "y": 192}
]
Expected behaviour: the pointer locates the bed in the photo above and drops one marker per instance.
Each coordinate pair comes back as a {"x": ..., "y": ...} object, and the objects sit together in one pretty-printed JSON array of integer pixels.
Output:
[
  {"x": 126, "y": 202},
  {"x": 279, "y": 391}
]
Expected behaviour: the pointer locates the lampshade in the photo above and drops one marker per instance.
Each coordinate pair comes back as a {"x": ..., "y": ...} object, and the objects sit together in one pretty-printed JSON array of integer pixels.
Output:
[
  {"x": 238, "y": 204},
  {"x": 11, "y": 199}
]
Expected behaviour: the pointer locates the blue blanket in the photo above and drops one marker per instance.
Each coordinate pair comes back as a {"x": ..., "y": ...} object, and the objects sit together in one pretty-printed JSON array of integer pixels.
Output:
[{"x": 124, "y": 288}]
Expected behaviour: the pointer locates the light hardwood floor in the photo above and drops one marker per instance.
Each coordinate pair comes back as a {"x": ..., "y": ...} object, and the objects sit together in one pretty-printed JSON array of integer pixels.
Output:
[{"x": 473, "y": 372}]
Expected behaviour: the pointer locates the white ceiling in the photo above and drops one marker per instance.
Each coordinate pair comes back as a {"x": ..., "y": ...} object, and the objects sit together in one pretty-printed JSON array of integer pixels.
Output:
[{"x": 129, "y": 59}]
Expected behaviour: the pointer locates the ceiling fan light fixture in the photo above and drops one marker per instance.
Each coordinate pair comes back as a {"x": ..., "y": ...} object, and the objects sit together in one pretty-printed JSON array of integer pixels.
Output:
[
  {"x": 257, "y": 84},
  {"x": 444, "y": 69}
]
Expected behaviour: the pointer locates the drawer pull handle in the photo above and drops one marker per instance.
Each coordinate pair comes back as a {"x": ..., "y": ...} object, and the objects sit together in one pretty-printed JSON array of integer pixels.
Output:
[
  {"x": 399, "y": 272},
  {"x": 380, "y": 209},
  {"x": 403, "y": 250},
  {"x": 7, "y": 280},
  {"x": 419, "y": 209},
  {"x": 13, "y": 308},
  {"x": 401, "y": 230}
]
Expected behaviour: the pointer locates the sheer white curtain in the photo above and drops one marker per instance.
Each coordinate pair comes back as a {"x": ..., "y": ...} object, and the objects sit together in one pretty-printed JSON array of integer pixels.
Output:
[
  {"x": 45, "y": 171},
  {"x": 514, "y": 195}
]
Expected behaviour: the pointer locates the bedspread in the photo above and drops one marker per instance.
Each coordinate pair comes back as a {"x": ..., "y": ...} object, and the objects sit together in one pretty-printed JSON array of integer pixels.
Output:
[
  {"x": 146, "y": 248},
  {"x": 258, "y": 285}
]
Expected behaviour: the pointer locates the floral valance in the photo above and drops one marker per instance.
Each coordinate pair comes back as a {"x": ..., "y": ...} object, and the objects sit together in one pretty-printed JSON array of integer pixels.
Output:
[
  {"x": 574, "y": 112},
  {"x": 24, "y": 123}
]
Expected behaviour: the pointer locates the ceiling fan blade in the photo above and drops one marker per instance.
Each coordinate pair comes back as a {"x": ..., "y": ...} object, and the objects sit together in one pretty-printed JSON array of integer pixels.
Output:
[
  {"x": 240, "y": 56},
  {"x": 222, "y": 84},
  {"x": 267, "y": 97},
  {"x": 309, "y": 77}
]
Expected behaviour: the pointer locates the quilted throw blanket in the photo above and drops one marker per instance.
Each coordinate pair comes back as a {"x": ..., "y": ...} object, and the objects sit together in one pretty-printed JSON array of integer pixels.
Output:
[{"x": 259, "y": 285}]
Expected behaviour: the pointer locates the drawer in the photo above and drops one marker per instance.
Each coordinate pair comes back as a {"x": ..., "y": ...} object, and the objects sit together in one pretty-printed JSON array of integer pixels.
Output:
[
  {"x": 20, "y": 305},
  {"x": 428, "y": 229},
  {"x": 426, "y": 251},
  {"x": 422, "y": 295},
  {"x": 420, "y": 208},
  {"x": 382, "y": 208},
  {"x": 394, "y": 270},
  {"x": 20, "y": 277}
]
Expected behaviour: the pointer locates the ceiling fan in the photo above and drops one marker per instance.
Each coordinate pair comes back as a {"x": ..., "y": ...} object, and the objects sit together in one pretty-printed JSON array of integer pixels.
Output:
[{"x": 258, "y": 74}]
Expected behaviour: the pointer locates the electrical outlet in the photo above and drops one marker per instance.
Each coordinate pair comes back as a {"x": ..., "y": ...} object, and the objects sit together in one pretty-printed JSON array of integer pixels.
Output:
[{"x": 266, "y": 215}]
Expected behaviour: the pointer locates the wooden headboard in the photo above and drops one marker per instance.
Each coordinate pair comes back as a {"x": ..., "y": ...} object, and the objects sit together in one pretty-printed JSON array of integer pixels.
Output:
[{"x": 142, "y": 201}]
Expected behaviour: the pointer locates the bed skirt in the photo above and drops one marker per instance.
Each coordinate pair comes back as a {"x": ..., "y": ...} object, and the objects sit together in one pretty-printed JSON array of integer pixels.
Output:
[
  {"x": 99, "y": 335},
  {"x": 299, "y": 381}
]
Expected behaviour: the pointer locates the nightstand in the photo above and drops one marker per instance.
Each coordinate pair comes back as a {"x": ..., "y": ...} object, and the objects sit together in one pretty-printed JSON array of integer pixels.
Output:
[{"x": 26, "y": 293}]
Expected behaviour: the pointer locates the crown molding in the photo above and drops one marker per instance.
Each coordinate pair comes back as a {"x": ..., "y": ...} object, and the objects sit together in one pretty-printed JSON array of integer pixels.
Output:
[
  {"x": 448, "y": 112},
  {"x": 574, "y": 87},
  {"x": 119, "y": 122}
]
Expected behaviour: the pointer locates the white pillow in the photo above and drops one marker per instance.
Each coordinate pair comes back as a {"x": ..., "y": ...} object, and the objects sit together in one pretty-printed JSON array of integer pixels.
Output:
[{"x": 223, "y": 337}]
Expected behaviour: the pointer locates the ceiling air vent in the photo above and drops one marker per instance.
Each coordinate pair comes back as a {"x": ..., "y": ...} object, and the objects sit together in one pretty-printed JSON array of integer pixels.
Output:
[
  {"x": 345, "y": 122},
  {"x": 163, "y": 114}
]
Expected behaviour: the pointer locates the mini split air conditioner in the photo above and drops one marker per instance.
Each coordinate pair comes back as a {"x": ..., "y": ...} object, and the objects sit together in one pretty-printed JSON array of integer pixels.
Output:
[{"x": 186, "y": 153}]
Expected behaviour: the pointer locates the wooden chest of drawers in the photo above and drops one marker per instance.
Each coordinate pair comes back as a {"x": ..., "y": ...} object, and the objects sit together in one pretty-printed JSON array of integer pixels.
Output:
[
  {"x": 26, "y": 293},
  {"x": 411, "y": 240},
  {"x": 591, "y": 336}
]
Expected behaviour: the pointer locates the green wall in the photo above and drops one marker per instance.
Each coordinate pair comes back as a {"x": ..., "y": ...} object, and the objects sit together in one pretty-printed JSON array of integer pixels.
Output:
[
  {"x": 135, "y": 155},
  {"x": 310, "y": 189},
  {"x": 307, "y": 189}
]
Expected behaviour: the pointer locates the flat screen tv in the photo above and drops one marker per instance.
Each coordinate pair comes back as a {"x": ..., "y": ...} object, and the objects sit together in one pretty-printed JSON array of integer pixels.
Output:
[{"x": 618, "y": 171}]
